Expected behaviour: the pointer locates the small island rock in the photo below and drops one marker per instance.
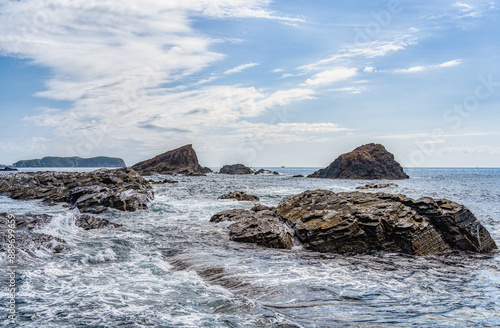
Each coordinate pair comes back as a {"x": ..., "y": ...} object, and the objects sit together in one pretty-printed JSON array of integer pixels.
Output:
[
  {"x": 235, "y": 169},
  {"x": 240, "y": 196},
  {"x": 371, "y": 161}
]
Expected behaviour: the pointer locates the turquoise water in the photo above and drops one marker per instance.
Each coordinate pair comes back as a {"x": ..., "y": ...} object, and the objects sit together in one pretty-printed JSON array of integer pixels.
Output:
[{"x": 170, "y": 267}]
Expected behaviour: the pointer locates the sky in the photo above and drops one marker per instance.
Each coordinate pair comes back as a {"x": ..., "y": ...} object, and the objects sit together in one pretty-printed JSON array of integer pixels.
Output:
[{"x": 258, "y": 82}]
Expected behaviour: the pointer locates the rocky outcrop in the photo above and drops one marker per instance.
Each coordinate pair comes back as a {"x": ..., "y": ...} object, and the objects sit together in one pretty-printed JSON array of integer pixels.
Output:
[
  {"x": 207, "y": 170},
  {"x": 264, "y": 171},
  {"x": 259, "y": 225},
  {"x": 8, "y": 168},
  {"x": 122, "y": 189},
  {"x": 181, "y": 161},
  {"x": 371, "y": 161},
  {"x": 297, "y": 176},
  {"x": 29, "y": 240},
  {"x": 235, "y": 169},
  {"x": 377, "y": 186},
  {"x": 100, "y": 161},
  {"x": 240, "y": 196},
  {"x": 162, "y": 182},
  {"x": 325, "y": 221}
]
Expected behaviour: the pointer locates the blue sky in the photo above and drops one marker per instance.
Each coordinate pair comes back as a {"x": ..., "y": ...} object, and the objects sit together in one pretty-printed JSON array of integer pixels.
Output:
[{"x": 264, "y": 83}]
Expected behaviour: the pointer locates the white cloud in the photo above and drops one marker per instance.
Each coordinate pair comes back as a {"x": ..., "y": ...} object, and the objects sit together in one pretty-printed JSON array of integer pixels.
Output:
[
  {"x": 368, "y": 69},
  {"x": 421, "y": 68},
  {"x": 331, "y": 76},
  {"x": 240, "y": 68}
]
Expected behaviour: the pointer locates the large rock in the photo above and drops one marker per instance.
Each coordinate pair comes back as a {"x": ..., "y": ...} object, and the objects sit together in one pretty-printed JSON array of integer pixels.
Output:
[
  {"x": 182, "y": 160},
  {"x": 235, "y": 169},
  {"x": 100, "y": 161},
  {"x": 358, "y": 222},
  {"x": 8, "y": 168},
  {"x": 123, "y": 189},
  {"x": 371, "y": 161}
]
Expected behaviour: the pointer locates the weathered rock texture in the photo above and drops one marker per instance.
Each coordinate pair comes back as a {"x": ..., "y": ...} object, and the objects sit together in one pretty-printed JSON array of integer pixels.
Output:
[
  {"x": 377, "y": 186},
  {"x": 240, "y": 195},
  {"x": 371, "y": 161},
  {"x": 182, "y": 161},
  {"x": 235, "y": 169},
  {"x": 362, "y": 222},
  {"x": 260, "y": 225},
  {"x": 123, "y": 189}
]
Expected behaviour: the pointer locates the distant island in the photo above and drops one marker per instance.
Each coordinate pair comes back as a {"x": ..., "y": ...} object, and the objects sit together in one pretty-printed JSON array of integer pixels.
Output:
[{"x": 100, "y": 161}]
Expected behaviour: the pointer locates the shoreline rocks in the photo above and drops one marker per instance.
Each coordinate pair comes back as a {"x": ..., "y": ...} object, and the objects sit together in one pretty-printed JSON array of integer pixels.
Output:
[
  {"x": 181, "y": 161},
  {"x": 8, "y": 168},
  {"x": 264, "y": 171},
  {"x": 235, "y": 169},
  {"x": 240, "y": 196},
  {"x": 94, "y": 192},
  {"x": 357, "y": 222},
  {"x": 377, "y": 186},
  {"x": 371, "y": 161}
]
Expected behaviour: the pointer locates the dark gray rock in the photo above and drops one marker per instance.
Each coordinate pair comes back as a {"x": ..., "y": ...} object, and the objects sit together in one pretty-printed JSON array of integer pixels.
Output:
[
  {"x": 264, "y": 171},
  {"x": 371, "y": 161},
  {"x": 122, "y": 189},
  {"x": 377, "y": 186},
  {"x": 207, "y": 170},
  {"x": 358, "y": 222},
  {"x": 235, "y": 169},
  {"x": 240, "y": 196},
  {"x": 8, "y": 168}
]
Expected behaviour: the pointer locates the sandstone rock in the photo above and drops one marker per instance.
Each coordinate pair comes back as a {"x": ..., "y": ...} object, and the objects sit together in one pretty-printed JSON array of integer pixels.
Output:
[
  {"x": 235, "y": 169},
  {"x": 123, "y": 189},
  {"x": 358, "y": 222},
  {"x": 371, "y": 161},
  {"x": 240, "y": 196},
  {"x": 377, "y": 186},
  {"x": 181, "y": 161}
]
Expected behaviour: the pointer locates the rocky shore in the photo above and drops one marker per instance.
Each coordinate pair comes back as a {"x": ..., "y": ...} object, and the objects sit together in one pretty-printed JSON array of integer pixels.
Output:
[{"x": 325, "y": 221}]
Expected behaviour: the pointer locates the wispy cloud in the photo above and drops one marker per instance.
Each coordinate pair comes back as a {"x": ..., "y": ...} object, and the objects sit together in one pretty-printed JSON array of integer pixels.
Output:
[
  {"x": 240, "y": 68},
  {"x": 421, "y": 68},
  {"x": 331, "y": 76}
]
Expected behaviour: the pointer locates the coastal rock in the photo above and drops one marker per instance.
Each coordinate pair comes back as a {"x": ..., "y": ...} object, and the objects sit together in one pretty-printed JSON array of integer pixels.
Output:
[
  {"x": 325, "y": 221},
  {"x": 89, "y": 222},
  {"x": 182, "y": 161},
  {"x": 122, "y": 189},
  {"x": 377, "y": 186},
  {"x": 264, "y": 171},
  {"x": 207, "y": 170},
  {"x": 297, "y": 176},
  {"x": 235, "y": 169},
  {"x": 240, "y": 196},
  {"x": 371, "y": 161},
  {"x": 8, "y": 168}
]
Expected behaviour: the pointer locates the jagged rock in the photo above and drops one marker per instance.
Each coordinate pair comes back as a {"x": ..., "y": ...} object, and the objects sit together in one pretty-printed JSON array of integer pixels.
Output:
[
  {"x": 181, "y": 161},
  {"x": 377, "y": 186},
  {"x": 235, "y": 169},
  {"x": 358, "y": 222},
  {"x": 123, "y": 189},
  {"x": 371, "y": 161},
  {"x": 240, "y": 196},
  {"x": 207, "y": 170},
  {"x": 89, "y": 222},
  {"x": 264, "y": 171}
]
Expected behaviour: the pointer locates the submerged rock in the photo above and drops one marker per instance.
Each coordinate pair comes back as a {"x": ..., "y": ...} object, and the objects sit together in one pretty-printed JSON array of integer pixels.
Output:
[
  {"x": 371, "y": 161},
  {"x": 235, "y": 169},
  {"x": 377, "y": 186},
  {"x": 358, "y": 222},
  {"x": 181, "y": 161},
  {"x": 240, "y": 196},
  {"x": 122, "y": 189}
]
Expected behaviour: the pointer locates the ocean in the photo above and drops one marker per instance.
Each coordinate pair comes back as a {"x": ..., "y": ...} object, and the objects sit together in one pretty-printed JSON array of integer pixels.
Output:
[{"x": 170, "y": 267}]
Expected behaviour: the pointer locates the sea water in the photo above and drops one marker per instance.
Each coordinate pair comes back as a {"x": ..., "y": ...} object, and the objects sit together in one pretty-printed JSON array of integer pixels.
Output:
[{"x": 168, "y": 266}]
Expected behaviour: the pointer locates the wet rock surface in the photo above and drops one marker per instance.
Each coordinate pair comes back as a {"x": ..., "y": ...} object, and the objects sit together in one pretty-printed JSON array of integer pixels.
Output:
[
  {"x": 240, "y": 196},
  {"x": 371, "y": 161},
  {"x": 357, "y": 222},
  {"x": 182, "y": 161},
  {"x": 93, "y": 192},
  {"x": 235, "y": 169},
  {"x": 377, "y": 186}
]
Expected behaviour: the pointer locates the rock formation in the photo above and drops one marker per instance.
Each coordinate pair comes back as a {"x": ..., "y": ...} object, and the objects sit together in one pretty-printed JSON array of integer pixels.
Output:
[
  {"x": 371, "y": 161},
  {"x": 207, "y": 170},
  {"x": 182, "y": 161},
  {"x": 122, "y": 189},
  {"x": 358, "y": 222},
  {"x": 264, "y": 171},
  {"x": 240, "y": 196},
  {"x": 235, "y": 169},
  {"x": 100, "y": 161},
  {"x": 377, "y": 186}
]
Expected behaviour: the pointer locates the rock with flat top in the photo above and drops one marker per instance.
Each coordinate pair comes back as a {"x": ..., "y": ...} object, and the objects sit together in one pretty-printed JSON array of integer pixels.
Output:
[
  {"x": 371, "y": 161},
  {"x": 235, "y": 169},
  {"x": 240, "y": 196}
]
